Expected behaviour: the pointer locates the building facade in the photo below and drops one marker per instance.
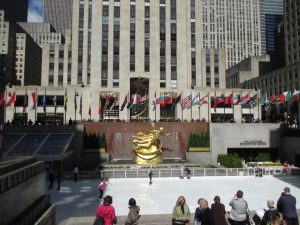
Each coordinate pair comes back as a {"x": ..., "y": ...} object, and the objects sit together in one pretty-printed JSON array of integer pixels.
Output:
[
  {"x": 15, "y": 10},
  {"x": 271, "y": 14},
  {"x": 59, "y": 14}
]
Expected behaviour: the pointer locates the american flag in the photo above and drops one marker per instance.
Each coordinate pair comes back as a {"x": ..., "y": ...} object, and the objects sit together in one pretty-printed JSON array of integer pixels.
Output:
[{"x": 186, "y": 102}]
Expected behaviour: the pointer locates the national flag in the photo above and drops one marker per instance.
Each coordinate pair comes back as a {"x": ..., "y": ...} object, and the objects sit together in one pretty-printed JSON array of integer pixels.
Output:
[
  {"x": 90, "y": 107},
  {"x": 272, "y": 98},
  {"x": 285, "y": 96},
  {"x": 2, "y": 98},
  {"x": 11, "y": 100},
  {"x": 100, "y": 107},
  {"x": 44, "y": 102},
  {"x": 75, "y": 101},
  {"x": 129, "y": 102},
  {"x": 236, "y": 99},
  {"x": 115, "y": 103},
  {"x": 106, "y": 105},
  {"x": 251, "y": 100},
  {"x": 176, "y": 100},
  {"x": 186, "y": 102},
  {"x": 262, "y": 100},
  {"x": 25, "y": 103},
  {"x": 295, "y": 96},
  {"x": 229, "y": 99},
  {"x": 154, "y": 102},
  {"x": 33, "y": 96},
  {"x": 142, "y": 99},
  {"x": 195, "y": 100},
  {"x": 203, "y": 100},
  {"x": 166, "y": 99},
  {"x": 218, "y": 100},
  {"x": 134, "y": 101},
  {"x": 243, "y": 100},
  {"x": 54, "y": 102},
  {"x": 124, "y": 103},
  {"x": 66, "y": 100},
  {"x": 80, "y": 104}
]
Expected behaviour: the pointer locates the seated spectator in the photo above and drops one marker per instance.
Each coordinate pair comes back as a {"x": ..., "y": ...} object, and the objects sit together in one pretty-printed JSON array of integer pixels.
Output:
[
  {"x": 134, "y": 213},
  {"x": 107, "y": 211},
  {"x": 181, "y": 212},
  {"x": 218, "y": 212},
  {"x": 271, "y": 212}
]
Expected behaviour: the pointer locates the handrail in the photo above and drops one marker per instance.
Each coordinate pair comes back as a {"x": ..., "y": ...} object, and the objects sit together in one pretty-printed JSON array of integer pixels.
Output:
[{"x": 175, "y": 172}]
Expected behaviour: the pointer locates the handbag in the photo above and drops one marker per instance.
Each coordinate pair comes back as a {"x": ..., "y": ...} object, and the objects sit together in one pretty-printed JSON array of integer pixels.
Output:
[{"x": 99, "y": 221}]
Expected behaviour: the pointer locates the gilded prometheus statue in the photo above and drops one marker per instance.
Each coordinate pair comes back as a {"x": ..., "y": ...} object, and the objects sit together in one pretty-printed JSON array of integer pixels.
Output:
[{"x": 147, "y": 147}]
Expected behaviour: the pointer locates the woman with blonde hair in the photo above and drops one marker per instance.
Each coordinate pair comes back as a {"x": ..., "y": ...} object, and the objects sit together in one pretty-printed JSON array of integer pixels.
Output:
[{"x": 181, "y": 212}]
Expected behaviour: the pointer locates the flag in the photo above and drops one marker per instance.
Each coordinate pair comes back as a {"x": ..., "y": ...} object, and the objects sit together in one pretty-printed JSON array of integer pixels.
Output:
[
  {"x": 243, "y": 100},
  {"x": 80, "y": 104},
  {"x": 115, "y": 103},
  {"x": 25, "y": 103},
  {"x": 176, "y": 100},
  {"x": 106, "y": 105},
  {"x": 236, "y": 99},
  {"x": 100, "y": 108},
  {"x": 229, "y": 99},
  {"x": 203, "y": 100},
  {"x": 54, "y": 102},
  {"x": 44, "y": 103},
  {"x": 75, "y": 101},
  {"x": 285, "y": 96},
  {"x": 272, "y": 98},
  {"x": 166, "y": 99},
  {"x": 218, "y": 100},
  {"x": 33, "y": 95},
  {"x": 154, "y": 102},
  {"x": 2, "y": 98},
  {"x": 195, "y": 100},
  {"x": 90, "y": 107},
  {"x": 66, "y": 100},
  {"x": 142, "y": 99},
  {"x": 186, "y": 102},
  {"x": 263, "y": 99},
  {"x": 124, "y": 103},
  {"x": 11, "y": 100},
  {"x": 134, "y": 101},
  {"x": 295, "y": 96},
  {"x": 251, "y": 100}
]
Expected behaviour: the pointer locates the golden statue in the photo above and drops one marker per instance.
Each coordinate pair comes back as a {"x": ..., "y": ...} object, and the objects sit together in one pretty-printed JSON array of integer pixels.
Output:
[{"x": 147, "y": 147}]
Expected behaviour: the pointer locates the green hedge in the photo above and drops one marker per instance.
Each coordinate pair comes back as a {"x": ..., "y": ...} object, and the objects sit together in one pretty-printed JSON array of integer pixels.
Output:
[
  {"x": 263, "y": 157},
  {"x": 91, "y": 141},
  {"x": 230, "y": 160},
  {"x": 199, "y": 140}
]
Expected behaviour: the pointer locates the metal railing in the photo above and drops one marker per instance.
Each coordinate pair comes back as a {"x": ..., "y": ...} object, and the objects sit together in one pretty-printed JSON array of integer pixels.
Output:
[{"x": 175, "y": 172}]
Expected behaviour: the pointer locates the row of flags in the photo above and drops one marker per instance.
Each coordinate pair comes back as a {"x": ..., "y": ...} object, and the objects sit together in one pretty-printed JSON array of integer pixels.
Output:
[{"x": 165, "y": 99}]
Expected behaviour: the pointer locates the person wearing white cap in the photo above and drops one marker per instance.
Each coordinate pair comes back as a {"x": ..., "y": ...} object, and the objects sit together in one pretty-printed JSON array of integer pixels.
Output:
[{"x": 272, "y": 211}]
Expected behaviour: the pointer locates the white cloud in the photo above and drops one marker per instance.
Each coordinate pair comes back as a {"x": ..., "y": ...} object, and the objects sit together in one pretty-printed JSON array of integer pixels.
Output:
[
  {"x": 35, "y": 11},
  {"x": 34, "y": 16}
]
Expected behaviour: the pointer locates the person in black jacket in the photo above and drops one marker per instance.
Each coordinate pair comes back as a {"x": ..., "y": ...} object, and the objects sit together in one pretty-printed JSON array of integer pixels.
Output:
[
  {"x": 207, "y": 216},
  {"x": 270, "y": 213},
  {"x": 286, "y": 205}
]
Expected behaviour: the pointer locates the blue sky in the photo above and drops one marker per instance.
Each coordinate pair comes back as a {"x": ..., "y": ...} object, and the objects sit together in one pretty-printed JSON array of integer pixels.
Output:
[{"x": 35, "y": 11}]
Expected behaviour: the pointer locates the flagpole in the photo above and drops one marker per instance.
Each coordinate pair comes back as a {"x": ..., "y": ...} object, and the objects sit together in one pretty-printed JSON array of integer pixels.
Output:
[
  {"x": 258, "y": 104},
  {"x": 192, "y": 107},
  {"x": 45, "y": 109},
  {"x": 4, "y": 108},
  {"x": 199, "y": 106},
  {"x": 155, "y": 107},
  {"x": 208, "y": 107},
  {"x": 35, "y": 104},
  {"x": 75, "y": 102},
  {"x": 298, "y": 112}
]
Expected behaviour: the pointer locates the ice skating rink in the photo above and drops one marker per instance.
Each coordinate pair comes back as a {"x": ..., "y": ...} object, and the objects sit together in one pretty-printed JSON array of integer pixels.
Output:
[
  {"x": 160, "y": 197},
  {"x": 80, "y": 199}
]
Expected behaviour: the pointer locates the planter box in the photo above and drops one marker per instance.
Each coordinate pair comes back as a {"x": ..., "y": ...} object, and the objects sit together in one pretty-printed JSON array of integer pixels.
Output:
[{"x": 198, "y": 149}]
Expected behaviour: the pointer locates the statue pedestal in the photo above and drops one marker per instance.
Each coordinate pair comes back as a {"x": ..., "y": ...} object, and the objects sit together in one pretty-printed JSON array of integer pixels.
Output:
[{"x": 139, "y": 160}]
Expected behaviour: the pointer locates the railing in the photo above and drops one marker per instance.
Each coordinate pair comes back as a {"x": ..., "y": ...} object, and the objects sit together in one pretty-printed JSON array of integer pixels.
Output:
[{"x": 175, "y": 172}]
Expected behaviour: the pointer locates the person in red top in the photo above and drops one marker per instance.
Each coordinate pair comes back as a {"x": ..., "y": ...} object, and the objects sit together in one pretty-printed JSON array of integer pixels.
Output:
[{"x": 107, "y": 211}]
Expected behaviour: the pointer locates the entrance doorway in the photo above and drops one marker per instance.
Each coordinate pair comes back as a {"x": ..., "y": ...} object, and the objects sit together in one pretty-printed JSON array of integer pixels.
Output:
[
  {"x": 250, "y": 154},
  {"x": 139, "y": 99}
]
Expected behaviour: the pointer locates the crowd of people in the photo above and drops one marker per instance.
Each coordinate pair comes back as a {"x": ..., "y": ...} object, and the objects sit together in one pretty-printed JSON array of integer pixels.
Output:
[{"x": 283, "y": 213}]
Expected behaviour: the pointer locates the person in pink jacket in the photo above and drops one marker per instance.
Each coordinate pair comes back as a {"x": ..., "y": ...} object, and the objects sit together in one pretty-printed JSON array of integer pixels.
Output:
[{"x": 107, "y": 211}]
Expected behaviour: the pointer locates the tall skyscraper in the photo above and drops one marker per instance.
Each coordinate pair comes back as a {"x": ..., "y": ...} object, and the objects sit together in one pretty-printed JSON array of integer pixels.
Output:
[
  {"x": 59, "y": 14},
  {"x": 292, "y": 31},
  {"x": 271, "y": 14},
  {"x": 15, "y": 10}
]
